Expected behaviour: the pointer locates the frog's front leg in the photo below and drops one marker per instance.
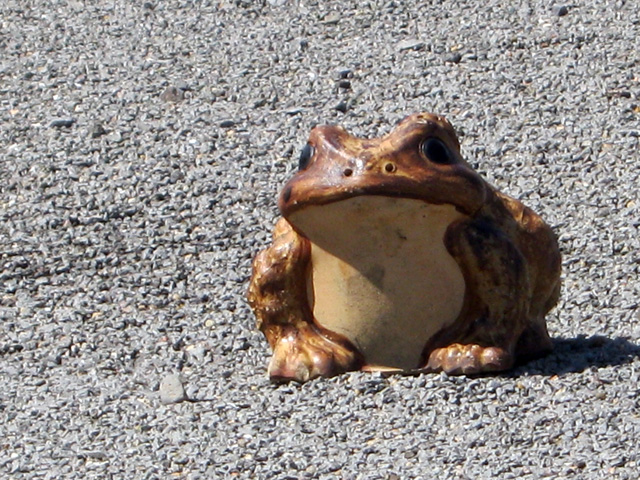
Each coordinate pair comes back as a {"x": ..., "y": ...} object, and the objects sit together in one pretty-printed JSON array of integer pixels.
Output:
[
  {"x": 494, "y": 314},
  {"x": 277, "y": 293}
]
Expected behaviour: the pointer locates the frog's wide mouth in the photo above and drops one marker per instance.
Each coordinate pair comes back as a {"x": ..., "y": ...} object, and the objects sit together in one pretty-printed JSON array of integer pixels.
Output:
[
  {"x": 458, "y": 186},
  {"x": 289, "y": 206}
]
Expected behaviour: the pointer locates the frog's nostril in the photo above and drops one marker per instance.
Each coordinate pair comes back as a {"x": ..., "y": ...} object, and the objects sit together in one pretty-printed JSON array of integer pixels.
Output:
[
  {"x": 389, "y": 168},
  {"x": 347, "y": 172},
  {"x": 286, "y": 195}
]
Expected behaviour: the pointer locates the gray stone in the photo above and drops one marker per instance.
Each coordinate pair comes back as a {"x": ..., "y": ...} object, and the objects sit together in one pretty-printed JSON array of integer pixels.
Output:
[
  {"x": 62, "y": 122},
  {"x": 171, "y": 390},
  {"x": 172, "y": 94},
  {"x": 410, "y": 44}
]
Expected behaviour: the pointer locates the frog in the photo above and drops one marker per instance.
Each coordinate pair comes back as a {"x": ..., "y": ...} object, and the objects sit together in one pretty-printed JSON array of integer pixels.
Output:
[{"x": 394, "y": 254}]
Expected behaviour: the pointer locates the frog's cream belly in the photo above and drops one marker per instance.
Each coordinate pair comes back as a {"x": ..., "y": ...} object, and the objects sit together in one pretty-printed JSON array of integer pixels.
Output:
[{"x": 381, "y": 275}]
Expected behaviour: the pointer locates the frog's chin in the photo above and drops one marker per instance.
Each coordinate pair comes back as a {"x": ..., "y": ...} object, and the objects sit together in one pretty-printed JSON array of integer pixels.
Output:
[{"x": 381, "y": 274}]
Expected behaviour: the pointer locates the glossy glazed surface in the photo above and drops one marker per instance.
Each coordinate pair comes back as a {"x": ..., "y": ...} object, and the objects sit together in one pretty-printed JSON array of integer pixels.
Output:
[{"x": 394, "y": 253}]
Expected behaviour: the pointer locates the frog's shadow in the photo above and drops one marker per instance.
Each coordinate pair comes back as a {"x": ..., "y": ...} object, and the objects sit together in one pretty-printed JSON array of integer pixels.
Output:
[{"x": 574, "y": 355}]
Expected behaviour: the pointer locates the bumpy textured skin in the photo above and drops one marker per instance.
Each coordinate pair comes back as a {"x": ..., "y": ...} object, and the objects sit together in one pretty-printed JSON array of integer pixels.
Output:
[
  {"x": 302, "y": 350},
  {"x": 508, "y": 256}
]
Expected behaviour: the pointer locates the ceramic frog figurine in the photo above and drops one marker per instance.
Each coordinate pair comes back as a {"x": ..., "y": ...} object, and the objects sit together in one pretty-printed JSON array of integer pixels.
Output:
[{"x": 394, "y": 254}]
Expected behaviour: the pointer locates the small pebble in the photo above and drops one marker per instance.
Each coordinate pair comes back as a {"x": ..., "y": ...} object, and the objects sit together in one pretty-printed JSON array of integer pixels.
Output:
[
  {"x": 294, "y": 111},
  {"x": 97, "y": 130},
  {"x": 342, "y": 107},
  {"x": 197, "y": 352},
  {"x": 332, "y": 18},
  {"x": 172, "y": 94},
  {"x": 560, "y": 10},
  {"x": 62, "y": 123},
  {"x": 410, "y": 44},
  {"x": 171, "y": 390}
]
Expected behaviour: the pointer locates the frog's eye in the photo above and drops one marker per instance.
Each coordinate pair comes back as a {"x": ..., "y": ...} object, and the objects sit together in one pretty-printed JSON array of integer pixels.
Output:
[
  {"x": 305, "y": 157},
  {"x": 436, "y": 151}
]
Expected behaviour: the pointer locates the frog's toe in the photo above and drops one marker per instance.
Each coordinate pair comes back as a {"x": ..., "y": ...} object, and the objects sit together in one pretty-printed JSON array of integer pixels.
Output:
[
  {"x": 303, "y": 356},
  {"x": 458, "y": 359},
  {"x": 286, "y": 368}
]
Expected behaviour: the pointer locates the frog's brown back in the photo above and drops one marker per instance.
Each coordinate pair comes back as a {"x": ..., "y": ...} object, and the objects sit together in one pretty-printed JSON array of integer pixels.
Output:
[{"x": 539, "y": 245}]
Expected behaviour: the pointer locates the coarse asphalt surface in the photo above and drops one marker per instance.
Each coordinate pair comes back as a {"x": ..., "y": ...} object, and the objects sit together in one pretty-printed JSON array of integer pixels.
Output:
[{"x": 142, "y": 147}]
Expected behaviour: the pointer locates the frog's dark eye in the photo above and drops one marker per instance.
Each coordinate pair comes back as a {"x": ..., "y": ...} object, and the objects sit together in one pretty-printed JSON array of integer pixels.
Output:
[
  {"x": 436, "y": 151},
  {"x": 305, "y": 157}
]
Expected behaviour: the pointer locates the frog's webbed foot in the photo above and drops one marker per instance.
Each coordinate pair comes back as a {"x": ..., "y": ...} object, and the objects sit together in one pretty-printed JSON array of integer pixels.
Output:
[
  {"x": 458, "y": 359},
  {"x": 305, "y": 353}
]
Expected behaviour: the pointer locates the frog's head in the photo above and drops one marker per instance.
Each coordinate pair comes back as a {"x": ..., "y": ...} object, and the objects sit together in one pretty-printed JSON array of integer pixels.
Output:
[{"x": 420, "y": 159}]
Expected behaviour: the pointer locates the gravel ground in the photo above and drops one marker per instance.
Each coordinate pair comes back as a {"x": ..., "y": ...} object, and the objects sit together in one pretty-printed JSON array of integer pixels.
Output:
[{"x": 142, "y": 147}]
